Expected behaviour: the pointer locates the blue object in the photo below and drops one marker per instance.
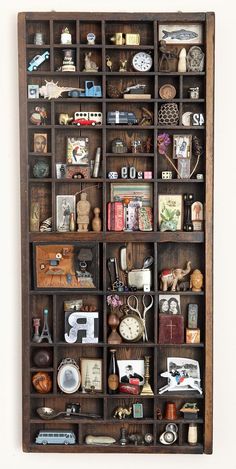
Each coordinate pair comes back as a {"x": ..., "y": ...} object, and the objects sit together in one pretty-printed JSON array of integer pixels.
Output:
[{"x": 38, "y": 60}]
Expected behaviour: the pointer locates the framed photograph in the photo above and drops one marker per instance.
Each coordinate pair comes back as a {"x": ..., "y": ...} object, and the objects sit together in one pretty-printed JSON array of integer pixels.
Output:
[
  {"x": 170, "y": 212},
  {"x": 185, "y": 367},
  {"x": 60, "y": 170},
  {"x": 91, "y": 374},
  {"x": 131, "y": 371},
  {"x": 121, "y": 191},
  {"x": 77, "y": 150},
  {"x": 66, "y": 266},
  {"x": 182, "y": 146},
  {"x": 169, "y": 304},
  {"x": 181, "y": 33},
  {"x": 33, "y": 91},
  {"x": 66, "y": 204},
  {"x": 40, "y": 143},
  {"x": 68, "y": 376}
]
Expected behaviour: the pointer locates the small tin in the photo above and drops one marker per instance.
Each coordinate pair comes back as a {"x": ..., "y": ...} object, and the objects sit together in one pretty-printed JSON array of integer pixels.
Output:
[{"x": 194, "y": 92}]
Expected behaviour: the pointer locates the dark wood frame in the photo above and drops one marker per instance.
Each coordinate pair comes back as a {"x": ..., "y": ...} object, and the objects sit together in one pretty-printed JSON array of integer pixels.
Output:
[{"x": 205, "y": 239}]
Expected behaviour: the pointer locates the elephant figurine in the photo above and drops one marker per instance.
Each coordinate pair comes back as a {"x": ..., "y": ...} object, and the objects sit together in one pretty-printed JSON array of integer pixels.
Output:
[{"x": 171, "y": 277}]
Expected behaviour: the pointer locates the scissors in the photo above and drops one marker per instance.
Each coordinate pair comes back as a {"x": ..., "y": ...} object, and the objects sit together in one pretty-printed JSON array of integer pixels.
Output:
[{"x": 136, "y": 309}]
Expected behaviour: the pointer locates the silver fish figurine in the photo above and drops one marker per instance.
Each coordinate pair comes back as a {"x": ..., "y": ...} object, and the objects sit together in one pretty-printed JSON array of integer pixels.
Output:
[{"x": 180, "y": 34}]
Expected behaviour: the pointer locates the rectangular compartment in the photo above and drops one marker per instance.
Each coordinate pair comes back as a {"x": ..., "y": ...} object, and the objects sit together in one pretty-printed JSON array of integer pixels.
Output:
[
  {"x": 40, "y": 194},
  {"x": 33, "y": 27},
  {"x": 58, "y": 27},
  {"x": 93, "y": 303},
  {"x": 87, "y": 27},
  {"x": 145, "y": 29}
]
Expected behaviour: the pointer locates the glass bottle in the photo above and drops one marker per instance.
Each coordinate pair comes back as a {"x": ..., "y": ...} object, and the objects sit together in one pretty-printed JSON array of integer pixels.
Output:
[
  {"x": 192, "y": 434},
  {"x": 113, "y": 374}
]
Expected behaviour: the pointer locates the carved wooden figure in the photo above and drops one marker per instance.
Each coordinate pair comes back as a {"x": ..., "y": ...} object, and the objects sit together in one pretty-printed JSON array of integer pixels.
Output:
[{"x": 83, "y": 209}]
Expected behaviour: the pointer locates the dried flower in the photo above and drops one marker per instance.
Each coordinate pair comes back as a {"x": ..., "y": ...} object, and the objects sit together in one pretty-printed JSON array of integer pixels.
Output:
[
  {"x": 163, "y": 141},
  {"x": 114, "y": 301}
]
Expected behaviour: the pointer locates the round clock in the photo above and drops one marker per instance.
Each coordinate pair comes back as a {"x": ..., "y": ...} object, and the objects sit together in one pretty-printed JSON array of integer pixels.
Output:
[
  {"x": 142, "y": 62},
  {"x": 131, "y": 328}
]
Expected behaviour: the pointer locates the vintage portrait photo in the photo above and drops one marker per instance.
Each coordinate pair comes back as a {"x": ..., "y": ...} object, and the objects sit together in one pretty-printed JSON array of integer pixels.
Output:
[
  {"x": 131, "y": 371},
  {"x": 181, "y": 34},
  {"x": 68, "y": 378},
  {"x": 40, "y": 143},
  {"x": 170, "y": 212},
  {"x": 182, "y": 146},
  {"x": 66, "y": 204},
  {"x": 169, "y": 304},
  {"x": 91, "y": 374}
]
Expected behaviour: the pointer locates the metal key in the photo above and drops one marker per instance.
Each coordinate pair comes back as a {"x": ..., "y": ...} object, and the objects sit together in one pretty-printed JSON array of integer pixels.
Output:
[{"x": 117, "y": 284}]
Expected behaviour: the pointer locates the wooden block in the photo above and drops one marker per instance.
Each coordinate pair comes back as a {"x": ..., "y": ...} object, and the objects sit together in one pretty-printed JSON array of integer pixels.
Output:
[
  {"x": 171, "y": 329},
  {"x": 192, "y": 336}
]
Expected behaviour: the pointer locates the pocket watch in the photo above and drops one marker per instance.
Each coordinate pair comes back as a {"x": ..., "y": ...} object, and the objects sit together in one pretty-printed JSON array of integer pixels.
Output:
[
  {"x": 142, "y": 62},
  {"x": 131, "y": 327}
]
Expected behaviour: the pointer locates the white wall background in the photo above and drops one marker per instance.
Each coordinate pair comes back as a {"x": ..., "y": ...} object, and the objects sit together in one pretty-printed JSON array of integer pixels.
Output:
[{"x": 224, "y": 314}]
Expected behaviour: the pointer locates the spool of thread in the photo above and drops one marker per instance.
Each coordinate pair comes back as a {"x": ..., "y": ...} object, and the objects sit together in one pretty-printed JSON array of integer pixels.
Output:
[
  {"x": 170, "y": 411},
  {"x": 192, "y": 434}
]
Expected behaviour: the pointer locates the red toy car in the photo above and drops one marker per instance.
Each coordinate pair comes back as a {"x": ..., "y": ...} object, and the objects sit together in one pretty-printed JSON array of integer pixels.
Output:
[{"x": 83, "y": 121}]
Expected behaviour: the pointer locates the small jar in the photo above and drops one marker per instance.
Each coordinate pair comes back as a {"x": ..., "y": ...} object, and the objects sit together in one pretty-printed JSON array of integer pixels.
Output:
[{"x": 38, "y": 39}]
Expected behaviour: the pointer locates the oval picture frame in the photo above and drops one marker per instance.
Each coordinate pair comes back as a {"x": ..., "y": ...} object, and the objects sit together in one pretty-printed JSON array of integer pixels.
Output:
[{"x": 68, "y": 377}]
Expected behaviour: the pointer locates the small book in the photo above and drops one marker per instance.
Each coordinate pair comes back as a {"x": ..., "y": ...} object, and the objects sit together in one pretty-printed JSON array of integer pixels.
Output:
[
  {"x": 171, "y": 329},
  {"x": 97, "y": 162}
]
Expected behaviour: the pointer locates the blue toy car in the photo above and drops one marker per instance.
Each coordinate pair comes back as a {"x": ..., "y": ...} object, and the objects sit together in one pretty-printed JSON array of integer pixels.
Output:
[{"x": 37, "y": 60}]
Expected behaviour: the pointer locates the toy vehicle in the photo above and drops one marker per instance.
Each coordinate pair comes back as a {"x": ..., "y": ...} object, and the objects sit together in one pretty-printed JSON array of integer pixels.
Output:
[
  {"x": 37, "y": 60},
  {"x": 87, "y": 118},
  {"x": 121, "y": 117},
  {"x": 83, "y": 121},
  {"x": 55, "y": 437},
  {"x": 90, "y": 90}
]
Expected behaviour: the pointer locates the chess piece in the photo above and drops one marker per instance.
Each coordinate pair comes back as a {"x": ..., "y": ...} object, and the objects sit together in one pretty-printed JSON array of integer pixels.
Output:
[
  {"x": 72, "y": 221},
  {"x": 182, "y": 63},
  {"x": 83, "y": 209},
  {"x": 36, "y": 324},
  {"x": 96, "y": 221}
]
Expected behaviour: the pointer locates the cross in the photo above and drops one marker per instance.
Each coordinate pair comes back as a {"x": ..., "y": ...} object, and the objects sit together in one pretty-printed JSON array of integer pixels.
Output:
[{"x": 171, "y": 325}]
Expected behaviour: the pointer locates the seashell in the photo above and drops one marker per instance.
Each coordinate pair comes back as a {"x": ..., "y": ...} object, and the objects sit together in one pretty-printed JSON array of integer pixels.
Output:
[
  {"x": 42, "y": 382},
  {"x": 168, "y": 114},
  {"x": 46, "y": 225}
]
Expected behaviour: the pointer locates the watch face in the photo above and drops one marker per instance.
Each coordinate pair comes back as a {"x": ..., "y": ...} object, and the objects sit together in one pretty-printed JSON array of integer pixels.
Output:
[
  {"x": 142, "y": 62},
  {"x": 131, "y": 329}
]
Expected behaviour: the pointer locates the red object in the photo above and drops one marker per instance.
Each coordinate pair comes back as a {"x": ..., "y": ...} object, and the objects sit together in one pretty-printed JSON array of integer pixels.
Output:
[
  {"x": 134, "y": 381},
  {"x": 170, "y": 411},
  {"x": 171, "y": 329},
  {"x": 83, "y": 121},
  {"x": 129, "y": 388},
  {"x": 115, "y": 216},
  {"x": 166, "y": 272}
]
